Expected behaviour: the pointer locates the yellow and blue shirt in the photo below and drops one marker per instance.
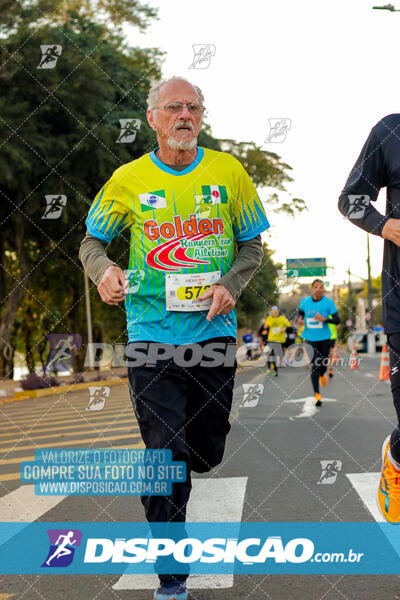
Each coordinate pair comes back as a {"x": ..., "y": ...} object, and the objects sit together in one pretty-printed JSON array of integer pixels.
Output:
[{"x": 180, "y": 222}]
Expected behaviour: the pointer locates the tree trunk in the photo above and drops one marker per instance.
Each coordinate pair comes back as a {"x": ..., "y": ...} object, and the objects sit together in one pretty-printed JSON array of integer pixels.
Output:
[
  {"x": 74, "y": 320},
  {"x": 12, "y": 302},
  {"x": 29, "y": 358}
]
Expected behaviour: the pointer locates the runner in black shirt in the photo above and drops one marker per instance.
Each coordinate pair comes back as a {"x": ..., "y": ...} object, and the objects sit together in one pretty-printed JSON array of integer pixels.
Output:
[{"x": 378, "y": 166}]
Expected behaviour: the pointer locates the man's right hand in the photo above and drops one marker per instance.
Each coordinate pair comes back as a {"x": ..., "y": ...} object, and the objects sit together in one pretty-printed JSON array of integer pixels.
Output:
[
  {"x": 113, "y": 285},
  {"x": 391, "y": 231}
]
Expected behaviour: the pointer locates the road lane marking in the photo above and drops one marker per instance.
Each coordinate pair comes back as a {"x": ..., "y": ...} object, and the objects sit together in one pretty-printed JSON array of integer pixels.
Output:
[
  {"x": 309, "y": 409},
  {"x": 366, "y": 486},
  {"x": 10, "y": 461},
  {"x": 52, "y": 417},
  {"x": 13, "y": 476},
  {"x": 35, "y": 430},
  {"x": 211, "y": 500},
  {"x": 24, "y": 506},
  {"x": 83, "y": 440},
  {"x": 134, "y": 427}
]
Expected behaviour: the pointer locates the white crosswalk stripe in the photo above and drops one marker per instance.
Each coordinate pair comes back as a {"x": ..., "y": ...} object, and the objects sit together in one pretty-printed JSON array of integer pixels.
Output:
[{"x": 225, "y": 499}]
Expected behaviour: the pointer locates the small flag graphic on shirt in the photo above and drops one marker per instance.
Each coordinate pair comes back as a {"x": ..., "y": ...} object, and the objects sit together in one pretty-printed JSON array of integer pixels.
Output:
[
  {"x": 153, "y": 200},
  {"x": 214, "y": 194}
]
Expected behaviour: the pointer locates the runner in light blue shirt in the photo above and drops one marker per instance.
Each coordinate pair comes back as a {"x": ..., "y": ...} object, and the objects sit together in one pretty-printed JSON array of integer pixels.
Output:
[{"x": 316, "y": 312}]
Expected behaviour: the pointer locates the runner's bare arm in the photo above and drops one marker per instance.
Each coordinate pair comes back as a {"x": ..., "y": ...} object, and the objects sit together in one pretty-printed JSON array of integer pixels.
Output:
[{"x": 300, "y": 318}]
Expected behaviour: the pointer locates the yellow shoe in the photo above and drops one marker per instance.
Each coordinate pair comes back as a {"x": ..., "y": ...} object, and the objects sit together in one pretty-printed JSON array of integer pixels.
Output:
[
  {"x": 323, "y": 381},
  {"x": 318, "y": 399},
  {"x": 389, "y": 488}
]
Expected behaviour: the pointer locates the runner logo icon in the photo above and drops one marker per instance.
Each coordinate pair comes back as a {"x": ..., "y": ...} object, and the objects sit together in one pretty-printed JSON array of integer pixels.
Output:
[
  {"x": 330, "y": 471},
  {"x": 62, "y": 547}
]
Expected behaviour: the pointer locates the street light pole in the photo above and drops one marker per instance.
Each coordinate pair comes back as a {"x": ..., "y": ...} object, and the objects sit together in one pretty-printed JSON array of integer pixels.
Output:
[
  {"x": 89, "y": 322},
  {"x": 370, "y": 308},
  {"x": 388, "y": 7},
  {"x": 349, "y": 302}
]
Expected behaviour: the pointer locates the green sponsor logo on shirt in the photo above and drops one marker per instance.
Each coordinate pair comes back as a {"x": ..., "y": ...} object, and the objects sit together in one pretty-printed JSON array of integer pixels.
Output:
[{"x": 153, "y": 200}]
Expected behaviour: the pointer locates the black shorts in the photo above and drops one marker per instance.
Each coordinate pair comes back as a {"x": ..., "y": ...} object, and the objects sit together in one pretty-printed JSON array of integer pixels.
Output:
[{"x": 185, "y": 409}]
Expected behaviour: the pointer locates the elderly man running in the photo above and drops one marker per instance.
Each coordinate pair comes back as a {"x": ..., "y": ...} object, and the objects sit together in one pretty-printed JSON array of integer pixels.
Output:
[{"x": 187, "y": 208}]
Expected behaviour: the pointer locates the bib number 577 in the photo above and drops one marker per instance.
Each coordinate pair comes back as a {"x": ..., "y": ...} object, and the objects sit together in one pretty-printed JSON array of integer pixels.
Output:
[{"x": 191, "y": 292}]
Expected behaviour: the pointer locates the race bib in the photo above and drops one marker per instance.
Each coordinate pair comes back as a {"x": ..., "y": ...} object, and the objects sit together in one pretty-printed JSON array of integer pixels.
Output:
[
  {"x": 275, "y": 330},
  {"x": 313, "y": 324},
  {"x": 182, "y": 290}
]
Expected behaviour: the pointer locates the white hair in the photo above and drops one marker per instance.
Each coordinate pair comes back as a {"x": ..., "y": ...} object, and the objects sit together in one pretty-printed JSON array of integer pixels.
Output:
[{"x": 152, "y": 98}]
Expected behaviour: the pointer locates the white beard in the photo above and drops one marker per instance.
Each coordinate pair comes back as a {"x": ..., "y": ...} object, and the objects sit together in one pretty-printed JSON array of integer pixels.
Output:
[{"x": 182, "y": 145}]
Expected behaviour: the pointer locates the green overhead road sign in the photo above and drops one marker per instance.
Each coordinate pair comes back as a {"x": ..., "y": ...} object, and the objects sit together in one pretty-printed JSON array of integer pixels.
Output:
[{"x": 307, "y": 267}]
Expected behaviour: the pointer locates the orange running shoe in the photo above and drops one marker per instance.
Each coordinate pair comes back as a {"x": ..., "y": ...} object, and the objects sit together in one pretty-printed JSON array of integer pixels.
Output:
[
  {"x": 318, "y": 399},
  {"x": 323, "y": 381},
  {"x": 389, "y": 487}
]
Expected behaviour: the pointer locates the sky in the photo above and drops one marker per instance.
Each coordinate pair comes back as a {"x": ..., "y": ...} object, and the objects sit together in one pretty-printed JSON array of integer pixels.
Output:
[{"x": 329, "y": 67}]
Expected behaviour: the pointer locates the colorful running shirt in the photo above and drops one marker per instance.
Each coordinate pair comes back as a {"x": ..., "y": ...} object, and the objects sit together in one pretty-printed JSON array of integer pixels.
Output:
[
  {"x": 183, "y": 225},
  {"x": 314, "y": 330},
  {"x": 277, "y": 328}
]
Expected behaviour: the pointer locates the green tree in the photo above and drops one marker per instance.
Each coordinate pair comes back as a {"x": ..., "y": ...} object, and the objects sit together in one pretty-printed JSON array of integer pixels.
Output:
[
  {"x": 260, "y": 293},
  {"x": 58, "y": 137},
  {"x": 266, "y": 169}
]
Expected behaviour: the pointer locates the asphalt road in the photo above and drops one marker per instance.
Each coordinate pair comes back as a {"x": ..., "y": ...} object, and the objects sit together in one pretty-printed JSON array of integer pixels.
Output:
[{"x": 277, "y": 445}]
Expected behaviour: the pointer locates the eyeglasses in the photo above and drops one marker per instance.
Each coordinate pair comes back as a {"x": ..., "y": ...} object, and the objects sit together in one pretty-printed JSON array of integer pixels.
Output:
[{"x": 175, "y": 108}]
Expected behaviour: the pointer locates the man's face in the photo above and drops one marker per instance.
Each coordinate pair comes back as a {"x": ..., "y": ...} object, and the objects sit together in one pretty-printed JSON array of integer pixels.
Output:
[
  {"x": 317, "y": 290},
  {"x": 275, "y": 312},
  {"x": 178, "y": 130}
]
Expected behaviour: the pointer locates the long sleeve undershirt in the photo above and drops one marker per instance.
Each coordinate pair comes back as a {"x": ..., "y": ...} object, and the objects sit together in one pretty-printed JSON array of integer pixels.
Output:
[{"x": 93, "y": 256}]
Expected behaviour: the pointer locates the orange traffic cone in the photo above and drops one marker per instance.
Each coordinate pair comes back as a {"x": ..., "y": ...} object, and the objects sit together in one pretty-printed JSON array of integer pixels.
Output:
[
  {"x": 335, "y": 355},
  {"x": 384, "y": 370},
  {"x": 354, "y": 366}
]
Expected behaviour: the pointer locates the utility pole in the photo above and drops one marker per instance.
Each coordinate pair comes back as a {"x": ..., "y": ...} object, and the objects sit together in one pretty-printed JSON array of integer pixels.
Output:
[
  {"x": 349, "y": 303},
  {"x": 370, "y": 309},
  {"x": 89, "y": 322}
]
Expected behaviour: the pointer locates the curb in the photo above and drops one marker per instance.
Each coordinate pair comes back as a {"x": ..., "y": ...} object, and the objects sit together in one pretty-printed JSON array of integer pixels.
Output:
[
  {"x": 59, "y": 389},
  {"x": 26, "y": 394}
]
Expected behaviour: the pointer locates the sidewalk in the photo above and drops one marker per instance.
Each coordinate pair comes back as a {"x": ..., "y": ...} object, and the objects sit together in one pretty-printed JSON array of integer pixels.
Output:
[{"x": 10, "y": 389}]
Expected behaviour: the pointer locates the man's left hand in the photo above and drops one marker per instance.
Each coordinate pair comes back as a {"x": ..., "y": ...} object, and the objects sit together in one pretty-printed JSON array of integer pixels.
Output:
[
  {"x": 223, "y": 301},
  {"x": 320, "y": 318}
]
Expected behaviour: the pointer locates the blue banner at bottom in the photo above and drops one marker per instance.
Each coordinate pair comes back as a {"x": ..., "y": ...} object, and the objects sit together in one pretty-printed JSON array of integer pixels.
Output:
[{"x": 208, "y": 548}]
